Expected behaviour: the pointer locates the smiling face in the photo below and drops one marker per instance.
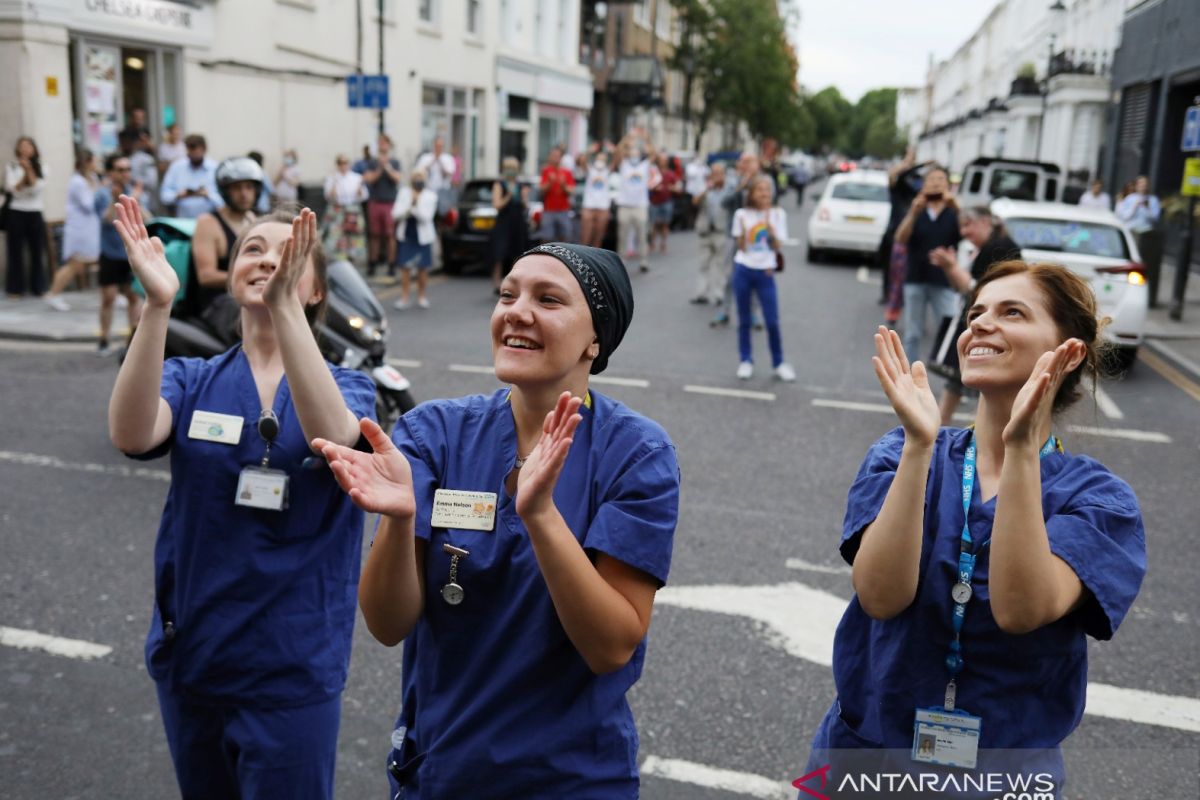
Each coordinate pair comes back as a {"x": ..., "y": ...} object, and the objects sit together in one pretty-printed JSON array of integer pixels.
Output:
[
  {"x": 542, "y": 330},
  {"x": 257, "y": 257},
  {"x": 1010, "y": 328}
]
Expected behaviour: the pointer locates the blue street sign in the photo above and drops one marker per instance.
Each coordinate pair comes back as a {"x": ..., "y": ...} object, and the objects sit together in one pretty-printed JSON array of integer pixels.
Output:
[
  {"x": 367, "y": 91},
  {"x": 1191, "y": 129}
]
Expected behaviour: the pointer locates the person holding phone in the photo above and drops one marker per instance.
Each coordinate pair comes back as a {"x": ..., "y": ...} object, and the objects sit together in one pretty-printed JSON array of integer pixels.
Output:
[{"x": 931, "y": 222}]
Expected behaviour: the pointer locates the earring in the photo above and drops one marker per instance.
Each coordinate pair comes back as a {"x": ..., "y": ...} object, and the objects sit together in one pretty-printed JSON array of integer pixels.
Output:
[{"x": 594, "y": 352}]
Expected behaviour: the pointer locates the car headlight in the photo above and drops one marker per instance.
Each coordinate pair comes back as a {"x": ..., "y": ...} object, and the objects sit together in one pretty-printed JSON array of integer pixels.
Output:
[{"x": 355, "y": 322}]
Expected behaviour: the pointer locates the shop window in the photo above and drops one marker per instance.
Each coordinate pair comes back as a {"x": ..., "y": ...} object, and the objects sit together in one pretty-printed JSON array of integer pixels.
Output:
[{"x": 518, "y": 108}]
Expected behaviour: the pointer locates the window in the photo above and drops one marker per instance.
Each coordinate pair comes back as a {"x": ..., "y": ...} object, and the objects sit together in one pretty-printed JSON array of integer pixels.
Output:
[
  {"x": 427, "y": 11},
  {"x": 1015, "y": 183},
  {"x": 870, "y": 192},
  {"x": 474, "y": 17},
  {"x": 1068, "y": 236},
  {"x": 518, "y": 108}
]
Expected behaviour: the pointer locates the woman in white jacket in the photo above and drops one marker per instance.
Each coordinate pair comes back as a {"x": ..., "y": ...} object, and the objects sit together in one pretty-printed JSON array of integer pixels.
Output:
[{"x": 413, "y": 211}]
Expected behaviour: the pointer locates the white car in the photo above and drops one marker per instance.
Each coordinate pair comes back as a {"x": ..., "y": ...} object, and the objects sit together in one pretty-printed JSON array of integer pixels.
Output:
[
  {"x": 1095, "y": 245},
  {"x": 851, "y": 215}
]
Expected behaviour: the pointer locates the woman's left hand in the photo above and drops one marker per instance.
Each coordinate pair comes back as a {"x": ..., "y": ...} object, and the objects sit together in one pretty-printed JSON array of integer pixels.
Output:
[
  {"x": 281, "y": 286},
  {"x": 1032, "y": 409},
  {"x": 539, "y": 474}
]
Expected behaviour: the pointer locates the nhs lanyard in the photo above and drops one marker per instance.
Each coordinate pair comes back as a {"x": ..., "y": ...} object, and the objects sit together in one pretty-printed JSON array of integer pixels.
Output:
[{"x": 961, "y": 592}]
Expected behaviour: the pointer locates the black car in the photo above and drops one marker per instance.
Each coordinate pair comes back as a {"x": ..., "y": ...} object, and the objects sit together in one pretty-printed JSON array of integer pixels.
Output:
[{"x": 466, "y": 229}]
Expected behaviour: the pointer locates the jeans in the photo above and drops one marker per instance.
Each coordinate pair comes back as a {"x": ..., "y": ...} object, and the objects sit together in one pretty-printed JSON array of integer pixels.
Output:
[
  {"x": 917, "y": 296},
  {"x": 557, "y": 226},
  {"x": 762, "y": 283}
]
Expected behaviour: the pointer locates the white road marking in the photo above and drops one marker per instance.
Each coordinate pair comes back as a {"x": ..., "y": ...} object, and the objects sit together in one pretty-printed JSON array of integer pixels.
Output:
[
  {"x": 613, "y": 381},
  {"x": 801, "y": 621},
  {"x": 1176, "y": 356},
  {"x": 726, "y": 780},
  {"x": 1105, "y": 403},
  {"x": 55, "y": 645},
  {"x": 407, "y": 363},
  {"x": 35, "y": 460},
  {"x": 40, "y": 346},
  {"x": 1111, "y": 433},
  {"x": 480, "y": 370},
  {"x": 826, "y": 569},
  {"x": 722, "y": 392}
]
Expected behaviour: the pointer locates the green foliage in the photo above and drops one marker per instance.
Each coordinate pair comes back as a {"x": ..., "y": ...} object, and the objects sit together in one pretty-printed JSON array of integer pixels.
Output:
[{"x": 867, "y": 127}]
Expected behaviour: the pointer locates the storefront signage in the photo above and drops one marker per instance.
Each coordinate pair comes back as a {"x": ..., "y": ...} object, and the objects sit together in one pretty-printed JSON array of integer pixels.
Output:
[
  {"x": 1191, "y": 177},
  {"x": 1191, "y": 130},
  {"x": 160, "y": 20}
]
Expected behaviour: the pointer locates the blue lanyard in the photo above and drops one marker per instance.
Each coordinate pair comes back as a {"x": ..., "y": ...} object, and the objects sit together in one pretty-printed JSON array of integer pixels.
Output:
[{"x": 961, "y": 592}]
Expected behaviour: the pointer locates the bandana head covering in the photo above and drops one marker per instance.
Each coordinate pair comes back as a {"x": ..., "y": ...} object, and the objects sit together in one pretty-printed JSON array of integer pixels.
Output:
[{"x": 605, "y": 283}]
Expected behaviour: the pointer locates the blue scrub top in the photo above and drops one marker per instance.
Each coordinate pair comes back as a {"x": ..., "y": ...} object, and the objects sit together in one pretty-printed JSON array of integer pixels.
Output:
[
  {"x": 1029, "y": 689},
  {"x": 497, "y": 701},
  {"x": 261, "y": 603}
]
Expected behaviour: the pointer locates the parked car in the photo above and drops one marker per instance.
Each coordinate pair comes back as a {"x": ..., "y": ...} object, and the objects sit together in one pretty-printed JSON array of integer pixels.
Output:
[
  {"x": 851, "y": 214},
  {"x": 467, "y": 228},
  {"x": 988, "y": 179},
  {"x": 1095, "y": 245}
]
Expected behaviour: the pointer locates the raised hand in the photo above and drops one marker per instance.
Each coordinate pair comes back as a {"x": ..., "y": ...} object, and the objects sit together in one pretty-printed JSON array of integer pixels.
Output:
[
  {"x": 380, "y": 481},
  {"x": 1032, "y": 409},
  {"x": 539, "y": 475},
  {"x": 146, "y": 255},
  {"x": 907, "y": 388},
  {"x": 281, "y": 286}
]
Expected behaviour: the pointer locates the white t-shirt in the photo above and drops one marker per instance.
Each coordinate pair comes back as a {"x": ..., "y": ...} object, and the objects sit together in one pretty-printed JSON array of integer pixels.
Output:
[
  {"x": 696, "y": 178},
  {"x": 171, "y": 152},
  {"x": 27, "y": 198},
  {"x": 1102, "y": 200},
  {"x": 285, "y": 188},
  {"x": 439, "y": 170},
  {"x": 347, "y": 187},
  {"x": 756, "y": 253},
  {"x": 635, "y": 184},
  {"x": 595, "y": 189}
]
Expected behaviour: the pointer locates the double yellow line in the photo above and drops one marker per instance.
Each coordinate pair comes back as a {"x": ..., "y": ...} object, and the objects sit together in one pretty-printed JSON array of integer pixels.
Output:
[{"x": 1156, "y": 363}]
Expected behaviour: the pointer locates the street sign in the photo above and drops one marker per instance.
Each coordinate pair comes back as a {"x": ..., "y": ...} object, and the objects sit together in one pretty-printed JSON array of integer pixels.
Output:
[
  {"x": 367, "y": 91},
  {"x": 1191, "y": 130},
  {"x": 1191, "y": 178}
]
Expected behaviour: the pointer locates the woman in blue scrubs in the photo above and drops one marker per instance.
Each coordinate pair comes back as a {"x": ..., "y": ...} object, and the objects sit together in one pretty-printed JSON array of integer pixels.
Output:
[
  {"x": 965, "y": 639},
  {"x": 258, "y": 552},
  {"x": 523, "y": 536}
]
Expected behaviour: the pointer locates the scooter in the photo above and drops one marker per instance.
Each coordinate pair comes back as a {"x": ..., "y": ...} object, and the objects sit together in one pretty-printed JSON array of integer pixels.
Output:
[{"x": 352, "y": 334}]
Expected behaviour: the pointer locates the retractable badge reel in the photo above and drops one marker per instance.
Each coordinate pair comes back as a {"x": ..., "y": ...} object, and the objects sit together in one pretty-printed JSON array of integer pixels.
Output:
[{"x": 260, "y": 486}]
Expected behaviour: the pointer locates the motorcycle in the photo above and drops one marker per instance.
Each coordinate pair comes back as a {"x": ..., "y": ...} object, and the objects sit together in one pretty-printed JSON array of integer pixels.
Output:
[{"x": 351, "y": 334}]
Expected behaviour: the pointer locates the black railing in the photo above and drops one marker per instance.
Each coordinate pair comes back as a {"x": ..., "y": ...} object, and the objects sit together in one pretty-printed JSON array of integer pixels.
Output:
[{"x": 1081, "y": 62}]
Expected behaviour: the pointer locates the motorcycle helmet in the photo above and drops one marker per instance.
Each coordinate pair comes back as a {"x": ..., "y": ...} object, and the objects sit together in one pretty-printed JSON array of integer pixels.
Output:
[{"x": 238, "y": 169}]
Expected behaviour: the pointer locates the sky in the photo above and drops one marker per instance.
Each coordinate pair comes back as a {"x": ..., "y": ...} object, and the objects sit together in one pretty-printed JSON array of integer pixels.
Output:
[{"x": 858, "y": 45}]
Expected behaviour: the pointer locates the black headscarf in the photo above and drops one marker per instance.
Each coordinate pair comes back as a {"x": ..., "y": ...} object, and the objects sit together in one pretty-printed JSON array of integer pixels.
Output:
[{"x": 606, "y": 287}]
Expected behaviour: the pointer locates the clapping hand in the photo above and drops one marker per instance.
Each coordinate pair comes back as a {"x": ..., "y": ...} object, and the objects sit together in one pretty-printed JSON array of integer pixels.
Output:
[
  {"x": 146, "y": 255},
  {"x": 1035, "y": 402},
  {"x": 281, "y": 286},
  {"x": 379, "y": 482},
  {"x": 907, "y": 388},
  {"x": 539, "y": 474}
]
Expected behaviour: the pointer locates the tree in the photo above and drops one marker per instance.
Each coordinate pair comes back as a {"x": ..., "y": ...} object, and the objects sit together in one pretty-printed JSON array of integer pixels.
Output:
[{"x": 831, "y": 114}]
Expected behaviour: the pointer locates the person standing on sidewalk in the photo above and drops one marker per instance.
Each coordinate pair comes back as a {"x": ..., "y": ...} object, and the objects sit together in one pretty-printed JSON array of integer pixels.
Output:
[
  {"x": 190, "y": 186},
  {"x": 695, "y": 184},
  {"x": 1140, "y": 210},
  {"x": 638, "y": 177},
  {"x": 713, "y": 225},
  {"x": 931, "y": 222},
  {"x": 343, "y": 222},
  {"x": 1096, "y": 197},
  {"x": 758, "y": 229},
  {"x": 382, "y": 177},
  {"x": 439, "y": 168},
  {"x": 81, "y": 230},
  {"x": 116, "y": 276},
  {"x": 257, "y": 560},
  {"x": 904, "y": 184},
  {"x": 524, "y": 614},
  {"x": 413, "y": 214},
  {"x": 510, "y": 236},
  {"x": 25, "y": 227},
  {"x": 556, "y": 185}
]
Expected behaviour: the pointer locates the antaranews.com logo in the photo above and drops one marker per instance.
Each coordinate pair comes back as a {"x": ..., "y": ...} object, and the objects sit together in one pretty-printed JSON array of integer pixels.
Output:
[{"x": 823, "y": 784}]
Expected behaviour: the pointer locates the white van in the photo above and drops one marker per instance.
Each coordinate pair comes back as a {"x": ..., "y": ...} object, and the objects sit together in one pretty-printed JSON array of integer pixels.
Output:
[{"x": 988, "y": 179}]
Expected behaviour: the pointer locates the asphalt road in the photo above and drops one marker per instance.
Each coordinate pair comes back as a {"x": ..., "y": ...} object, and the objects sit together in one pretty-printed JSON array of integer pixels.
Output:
[{"x": 728, "y": 701}]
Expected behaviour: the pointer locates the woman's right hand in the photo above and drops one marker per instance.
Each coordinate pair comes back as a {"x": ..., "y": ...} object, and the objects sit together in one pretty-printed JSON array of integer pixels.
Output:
[
  {"x": 380, "y": 481},
  {"x": 907, "y": 388},
  {"x": 146, "y": 255}
]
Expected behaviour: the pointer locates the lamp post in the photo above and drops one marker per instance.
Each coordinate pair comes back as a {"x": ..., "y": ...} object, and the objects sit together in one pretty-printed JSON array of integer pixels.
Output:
[{"x": 1054, "y": 9}]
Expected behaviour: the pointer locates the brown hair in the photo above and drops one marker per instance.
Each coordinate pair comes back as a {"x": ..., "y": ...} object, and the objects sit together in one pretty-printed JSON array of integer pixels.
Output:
[
  {"x": 1072, "y": 306},
  {"x": 285, "y": 213}
]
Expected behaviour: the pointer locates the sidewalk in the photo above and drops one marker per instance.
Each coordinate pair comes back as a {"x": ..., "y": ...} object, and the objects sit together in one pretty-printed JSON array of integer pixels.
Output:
[{"x": 1179, "y": 342}]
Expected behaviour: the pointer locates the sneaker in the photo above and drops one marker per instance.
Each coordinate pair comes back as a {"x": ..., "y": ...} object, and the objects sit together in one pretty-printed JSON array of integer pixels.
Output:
[
  {"x": 785, "y": 372},
  {"x": 400, "y": 305},
  {"x": 422, "y": 302},
  {"x": 103, "y": 349},
  {"x": 699, "y": 300},
  {"x": 56, "y": 302},
  {"x": 643, "y": 268},
  {"x": 719, "y": 321},
  {"x": 745, "y": 371}
]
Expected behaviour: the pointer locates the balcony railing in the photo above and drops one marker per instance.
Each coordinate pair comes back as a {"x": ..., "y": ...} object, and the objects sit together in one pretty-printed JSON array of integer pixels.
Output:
[{"x": 1081, "y": 62}]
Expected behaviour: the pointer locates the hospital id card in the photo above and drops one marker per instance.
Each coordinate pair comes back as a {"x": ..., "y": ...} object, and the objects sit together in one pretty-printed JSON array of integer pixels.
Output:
[
  {"x": 474, "y": 511},
  {"x": 259, "y": 487},
  {"x": 213, "y": 427},
  {"x": 949, "y": 738}
]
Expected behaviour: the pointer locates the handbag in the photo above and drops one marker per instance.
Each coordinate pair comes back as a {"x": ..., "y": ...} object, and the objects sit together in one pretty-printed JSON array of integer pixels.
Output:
[
  {"x": 4, "y": 211},
  {"x": 778, "y": 261}
]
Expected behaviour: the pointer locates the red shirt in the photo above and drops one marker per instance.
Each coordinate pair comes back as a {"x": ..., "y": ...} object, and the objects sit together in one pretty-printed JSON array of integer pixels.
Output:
[
  {"x": 664, "y": 191},
  {"x": 557, "y": 194}
]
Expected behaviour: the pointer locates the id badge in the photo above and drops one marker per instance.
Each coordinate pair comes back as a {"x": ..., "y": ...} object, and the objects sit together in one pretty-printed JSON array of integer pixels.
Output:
[
  {"x": 210, "y": 426},
  {"x": 473, "y": 511},
  {"x": 949, "y": 738},
  {"x": 260, "y": 487}
]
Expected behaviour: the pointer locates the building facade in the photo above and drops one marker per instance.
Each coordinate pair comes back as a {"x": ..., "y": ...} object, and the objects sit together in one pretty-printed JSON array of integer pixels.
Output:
[{"x": 1031, "y": 83}]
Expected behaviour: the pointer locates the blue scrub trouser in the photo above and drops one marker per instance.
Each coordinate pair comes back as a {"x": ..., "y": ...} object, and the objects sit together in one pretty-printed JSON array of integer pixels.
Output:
[
  {"x": 762, "y": 283},
  {"x": 251, "y": 753}
]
